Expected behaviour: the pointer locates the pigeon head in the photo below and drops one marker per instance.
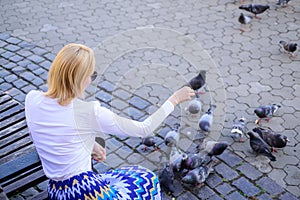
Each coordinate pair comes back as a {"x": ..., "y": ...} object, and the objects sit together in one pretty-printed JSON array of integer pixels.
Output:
[
  {"x": 256, "y": 130},
  {"x": 284, "y": 139},
  {"x": 170, "y": 141},
  {"x": 242, "y": 119}
]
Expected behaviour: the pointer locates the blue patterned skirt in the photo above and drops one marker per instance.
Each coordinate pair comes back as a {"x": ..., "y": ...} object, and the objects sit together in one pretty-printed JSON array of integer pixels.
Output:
[{"x": 125, "y": 183}]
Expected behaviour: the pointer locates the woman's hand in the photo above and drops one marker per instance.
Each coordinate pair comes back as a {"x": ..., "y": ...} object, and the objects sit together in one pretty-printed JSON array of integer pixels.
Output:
[
  {"x": 99, "y": 153},
  {"x": 183, "y": 94}
]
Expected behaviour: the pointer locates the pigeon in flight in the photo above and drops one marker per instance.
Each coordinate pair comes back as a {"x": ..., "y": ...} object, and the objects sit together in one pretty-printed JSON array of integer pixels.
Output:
[
  {"x": 206, "y": 119},
  {"x": 289, "y": 47},
  {"x": 198, "y": 81},
  {"x": 255, "y": 9},
  {"x": 172, "y": 137},
  {"x": 259, "y": 146},
  {"x": 195, "y": 105},
  {"x": 275, "y": 140},
  {"x": 266, "y": 112},
  {"x": 238, "y": 130},
  {"x": 244, "y": 19}
]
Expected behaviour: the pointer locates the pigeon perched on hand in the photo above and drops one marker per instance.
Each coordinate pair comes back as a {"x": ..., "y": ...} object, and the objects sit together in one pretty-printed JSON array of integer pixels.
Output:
[
  {"x": 244, "y": 19},
  {"x": 282, "y": 3},
  {"x": 195, "y": 105},
  {"x": 149, "y": 142},
  {"x": 275, "y": 140},
  {"x": 255, "y": 8},
  {"x": 206, "y": 119},
  {"x": 289, "y": 47},
  {"x": 166, "y": 179},
  {"x": 238, "y": 130},
  {"x": 259, "y": 146},
  {"x": 198, "y": 176},
  {"x": 172, "y": 137},
  {"x": 198, "y": 81},
  {"x": 214, "y": 148},
  {"x": 266, "y": 112}
]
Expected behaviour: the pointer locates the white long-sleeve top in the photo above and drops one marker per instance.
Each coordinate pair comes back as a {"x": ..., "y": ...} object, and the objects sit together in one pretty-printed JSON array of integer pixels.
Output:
[{"x": 64, "y": 135}]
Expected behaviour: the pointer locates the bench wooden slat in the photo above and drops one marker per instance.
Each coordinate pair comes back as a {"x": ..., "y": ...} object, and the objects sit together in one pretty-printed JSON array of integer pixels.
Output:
[
  {"x": 12, "y": 120},
  {"x": 12, "y": 111},
  {"x": 7, "y": 105},
  {"x": 19, "y": 126},
  {"x": 13, "y": 137},
  {"x": 17, "y": 153},
  {"x": 4, "y": 98}
]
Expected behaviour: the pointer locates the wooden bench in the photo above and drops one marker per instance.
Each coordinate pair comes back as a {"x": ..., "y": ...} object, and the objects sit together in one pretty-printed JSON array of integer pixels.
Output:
[{"x": 20, "y": 166}]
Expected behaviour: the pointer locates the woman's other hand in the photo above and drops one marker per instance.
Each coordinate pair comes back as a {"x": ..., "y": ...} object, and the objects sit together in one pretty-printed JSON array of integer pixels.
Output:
[{"x": 99, "y": 153}]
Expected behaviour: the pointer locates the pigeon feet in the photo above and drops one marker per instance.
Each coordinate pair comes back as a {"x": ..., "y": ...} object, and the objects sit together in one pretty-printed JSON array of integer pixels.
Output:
[
  {"x": 273, "y": 149},
  {"x": 257, "y": 121}
]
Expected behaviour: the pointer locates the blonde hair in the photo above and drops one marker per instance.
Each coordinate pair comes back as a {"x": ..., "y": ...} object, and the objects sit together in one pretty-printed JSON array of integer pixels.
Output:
[{"x": 71, "y": 67}]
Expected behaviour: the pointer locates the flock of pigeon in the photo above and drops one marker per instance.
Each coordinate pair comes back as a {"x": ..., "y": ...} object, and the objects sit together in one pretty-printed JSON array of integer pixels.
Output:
[
  {"x": 193, "y": 168},
  {"x": 257, "y": 9}
]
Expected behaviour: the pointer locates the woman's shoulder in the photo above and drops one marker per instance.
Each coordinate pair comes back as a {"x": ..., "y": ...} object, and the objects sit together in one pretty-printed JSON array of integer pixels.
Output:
[{"x": 33, "y": 94}]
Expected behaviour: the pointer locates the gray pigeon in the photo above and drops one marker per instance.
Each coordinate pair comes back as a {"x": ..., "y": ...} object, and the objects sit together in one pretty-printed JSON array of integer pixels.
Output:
[
  {"x": 214, "y": 148},
  {"x": 244, "y": 19},
  {"x": 195, "y": 105},
  {"x": 198, "y": 176},
  {"x": 275, "y": 140},
  {"x": 266, "y": 112},
  {"x": 255, "y": 8},
  {"x": 195, "y": 160},
  {"x": 282, "y": 3},
  {"x": 259, "y": 146},
  {"x": 238, "y": 130},
  {"x": 289, "y": 47},
  {"x": 206, "y": 119},
  {"x": 166, "y": 179},
  {"x": 198, "y": 81},
  {"x": 172, "y": 137},
  {"x": 149, "y": 142},
  {"x": 176, "y": 158}
]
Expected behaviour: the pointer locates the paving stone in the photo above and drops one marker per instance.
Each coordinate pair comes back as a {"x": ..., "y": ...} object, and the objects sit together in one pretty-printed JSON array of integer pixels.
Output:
[
  {"x": 108, "y": 86},
  {"x": 8, "y": 54},
  {"x": 26, "y": 45},
  {"x": 28, "y": 88},
  {"x": 235, "y": 195},
  {"x": 16, "y": 58},
  {"x": 19, "y": 83},
  {"x": 11, "y": 78},
  {"x": 135, "y": 113},
  {"x": 186, "y": 195},
  {"x": 204, "y": 192},
  {"x": 215, "y": 198},
  {"x": 17, "y": 197},
  {"x": 213, "y": 180},
  {"x": 43, "y": 185},
  {"x": 46, "y": 64},
  {"x": 226, "y": 172},
  {"x": 122, "y": 94},
  {"x": 12, "y": 48},
  {"x": 249, "y": 171},
  {"x": 37, "y": 81},
  {"x": 39, "y": 51},
  {"x": 35, "y": 58},
  {"x": 224, "y": 189},
  {"x": 270, "y": 186},
  {"x": 29, "y": 193},
  {"x": 28, "y": 76},
  {"x": 138, "y": 102},
  {"x": 246, "y": 187},
  {"x": 288, "y": 196},
  {"x": 50, "y": 56},
  {"x": 9, "y": 65},
  {"x": 104, "y": 96},
  {"x": 230, "y": 158},
  {"x": 13, "y": 40},
  {"x": 264, "y": 197},
  {"x": 293, "y": 175},
  {"x": 24, "y": 53},
  {"x": 5, "y": 86}
]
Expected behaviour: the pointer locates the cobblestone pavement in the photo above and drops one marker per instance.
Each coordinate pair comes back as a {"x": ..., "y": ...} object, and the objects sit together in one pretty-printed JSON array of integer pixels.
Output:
[{"x": 144, "y": 51}]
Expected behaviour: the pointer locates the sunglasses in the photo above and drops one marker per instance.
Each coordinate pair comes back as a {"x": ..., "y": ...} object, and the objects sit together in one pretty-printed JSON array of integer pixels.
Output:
[{"x": 94, "y": 75}]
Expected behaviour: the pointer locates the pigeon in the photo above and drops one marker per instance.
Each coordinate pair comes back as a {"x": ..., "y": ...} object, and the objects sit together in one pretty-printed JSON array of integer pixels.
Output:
[
  {"x": 206, "y": 119},
  {"x": 149, "y": 142},
  {"x": 266, "y": 112},
  {"x": 289, "y": 47},
  {"x": 172, "y": 137},
  {"x": 259, "y": 146},
  {"x": 214, "y": 148},
  {"x": 198, "y": 176},
  {"x": 282, "y": 2},
  {"x": 275, "y": 140},
  {"x": 195, "y": 105},
  {"x": 255, "y": 8},
  {"x": 244, "y": 19},
  {"x": 194, "y": 160},
  {"x": 238, "y": 130},
  {"x": 176, "y": 158},
  {"x": 198, "y": 81},
  {"x": 166, "y": 179}
]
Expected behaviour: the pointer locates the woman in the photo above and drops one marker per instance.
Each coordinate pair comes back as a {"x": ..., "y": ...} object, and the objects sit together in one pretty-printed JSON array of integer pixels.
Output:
[{"x": 63, "y": 129}]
